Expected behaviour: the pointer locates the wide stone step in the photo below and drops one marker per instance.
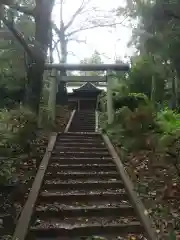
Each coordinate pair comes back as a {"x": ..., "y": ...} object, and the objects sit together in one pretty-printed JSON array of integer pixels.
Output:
[
  {"x": 67, "y": 196},
  {"x": 81, "y": 154},
  {"x": 46, "y": 212},
  {"x": 81, "y": 167},
  {"x": 79, "y": 185},
  {"x": 81, "y": 144},
  {"x": 97, "y": 237},
  {"x": 73, "y": 175},
  {"x": 79, "y": 140},
  {"x": 81, "y": 160},
  {"x": 80, "y": 149},
  {"x": 57, "y": 228}
]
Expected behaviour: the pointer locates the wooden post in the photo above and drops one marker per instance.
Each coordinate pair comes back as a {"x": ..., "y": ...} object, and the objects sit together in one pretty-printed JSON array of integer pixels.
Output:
[
  {"x": 52, "y": 96},
  {"x": 97, "y": 121},
  {"x": 110, "y": 111},
  {"x": 78, "y": 104}
]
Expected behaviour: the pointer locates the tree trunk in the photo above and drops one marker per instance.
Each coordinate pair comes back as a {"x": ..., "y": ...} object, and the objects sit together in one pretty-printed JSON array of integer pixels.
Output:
[
  {"x": 173, "y": 94},
  {"x": 62, "y": 91},
  {"x": 36, "y": 68},
  {"x": 153, "y": 90},
  {"x": 176, "y": 82},
  {"x": 63, "y": 44}
]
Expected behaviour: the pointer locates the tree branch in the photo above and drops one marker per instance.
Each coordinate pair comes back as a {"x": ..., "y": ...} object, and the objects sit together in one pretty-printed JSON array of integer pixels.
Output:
[
  {"x": 55, "y": 44},
  {"x": 71, "y": 39},
  {"x": 78, "y": 11},
  {"x": 77, "y": 40},
  {"x": 56, "y": 29},
  {"x": 19, "y": 37},
  {"x": 57, "y": 50},
  {"x": 92, "y": 27},
  {"x": 61, "y": 11},
  {"x": 25, "y": 10}
]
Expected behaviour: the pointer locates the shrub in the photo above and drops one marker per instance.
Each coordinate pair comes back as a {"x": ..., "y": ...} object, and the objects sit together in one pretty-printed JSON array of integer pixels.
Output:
[
  {"x": 168, "y": 121},
  {"x": 132, "y": 101},
  {"x": 122, "y": 114},
  {"x": 132, "y": 130},
  {"x": 136, "y": 122}
]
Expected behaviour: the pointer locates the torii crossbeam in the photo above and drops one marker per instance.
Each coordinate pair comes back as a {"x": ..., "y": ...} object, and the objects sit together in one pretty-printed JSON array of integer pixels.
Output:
[{"x": 88, "y": 67}]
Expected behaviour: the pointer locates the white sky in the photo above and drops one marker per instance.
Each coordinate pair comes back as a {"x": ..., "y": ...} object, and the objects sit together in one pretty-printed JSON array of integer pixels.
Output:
[{"x": 112, "y": 44}]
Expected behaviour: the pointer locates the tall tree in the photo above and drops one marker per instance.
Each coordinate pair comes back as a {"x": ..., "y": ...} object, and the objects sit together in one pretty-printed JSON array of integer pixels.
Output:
[
  {"x": 13, "y": 60},
  {"x": 157, "y": 35},
  {"x": 36, "y": 48},
  {"x": 36, "y": 64},
  {"x": 86, "y": 17}
]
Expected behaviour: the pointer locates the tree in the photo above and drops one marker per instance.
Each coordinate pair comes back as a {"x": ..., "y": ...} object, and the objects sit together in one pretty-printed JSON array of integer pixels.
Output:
[
  {"x": 87, "y": 17},
  {"x": 141, "y": 78},
  {"x": 36, "y": 49},
  {"x": 12, "y": 60},
  {"x": 158, "y": 36}
]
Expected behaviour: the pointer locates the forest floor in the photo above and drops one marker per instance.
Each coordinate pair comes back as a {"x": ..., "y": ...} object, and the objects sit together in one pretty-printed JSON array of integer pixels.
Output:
[
  {"x": 14, "y": 201},
  {"x": 157, "y": 184}
]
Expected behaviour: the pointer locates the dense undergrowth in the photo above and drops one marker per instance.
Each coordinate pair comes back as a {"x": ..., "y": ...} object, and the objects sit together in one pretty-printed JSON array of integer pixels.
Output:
[
  {"x": 148, "y": 141},
  {"x": 17, "y": 135},
  {"x": 20, "y": 133}
]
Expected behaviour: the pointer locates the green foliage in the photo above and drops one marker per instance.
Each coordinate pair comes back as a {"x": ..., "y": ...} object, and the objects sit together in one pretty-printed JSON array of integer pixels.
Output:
[
  {"x": 169, "y": 141},
  {"x": 131, "y": 129},
  {"x": 132, "y": 101},
  {"x": 156, "y": 38},
  {"x": 13, "y": 60},
  {"x": 121, "y": 89},
  {"x": 140, "y": 79},
  {"x": 144, "y": 128},
  {"x": 137, "y": 122},
  {"x": 172, "y": 235},
  {"x": 168, "y": 120}
]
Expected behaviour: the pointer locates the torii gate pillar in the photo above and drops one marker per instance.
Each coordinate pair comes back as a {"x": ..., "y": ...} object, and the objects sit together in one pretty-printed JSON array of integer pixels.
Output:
[
  {"x": 52, "y": 96},
  {"x": 110, "y": 110}
]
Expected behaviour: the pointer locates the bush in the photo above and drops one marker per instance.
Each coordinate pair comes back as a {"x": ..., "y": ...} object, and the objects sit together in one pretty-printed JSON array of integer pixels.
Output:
[
  {"x": 136, "y": 122},
  {"x": 168, "y": 121},
  {"x": 132, "y": 130},
  {"x": 122, "y": 114},
  {"x": 132, "y": 101},
  {"x": 169, "y": 142}
]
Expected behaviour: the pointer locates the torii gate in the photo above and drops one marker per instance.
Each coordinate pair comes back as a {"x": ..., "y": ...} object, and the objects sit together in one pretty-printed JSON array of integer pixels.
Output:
[{"x": 84, "y": 67}]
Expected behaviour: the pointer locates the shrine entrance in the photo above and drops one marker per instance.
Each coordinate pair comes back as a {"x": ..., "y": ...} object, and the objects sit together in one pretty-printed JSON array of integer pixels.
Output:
[
  {"x": 84, "y": 98},
  {"x": 83, "y": 95}
]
